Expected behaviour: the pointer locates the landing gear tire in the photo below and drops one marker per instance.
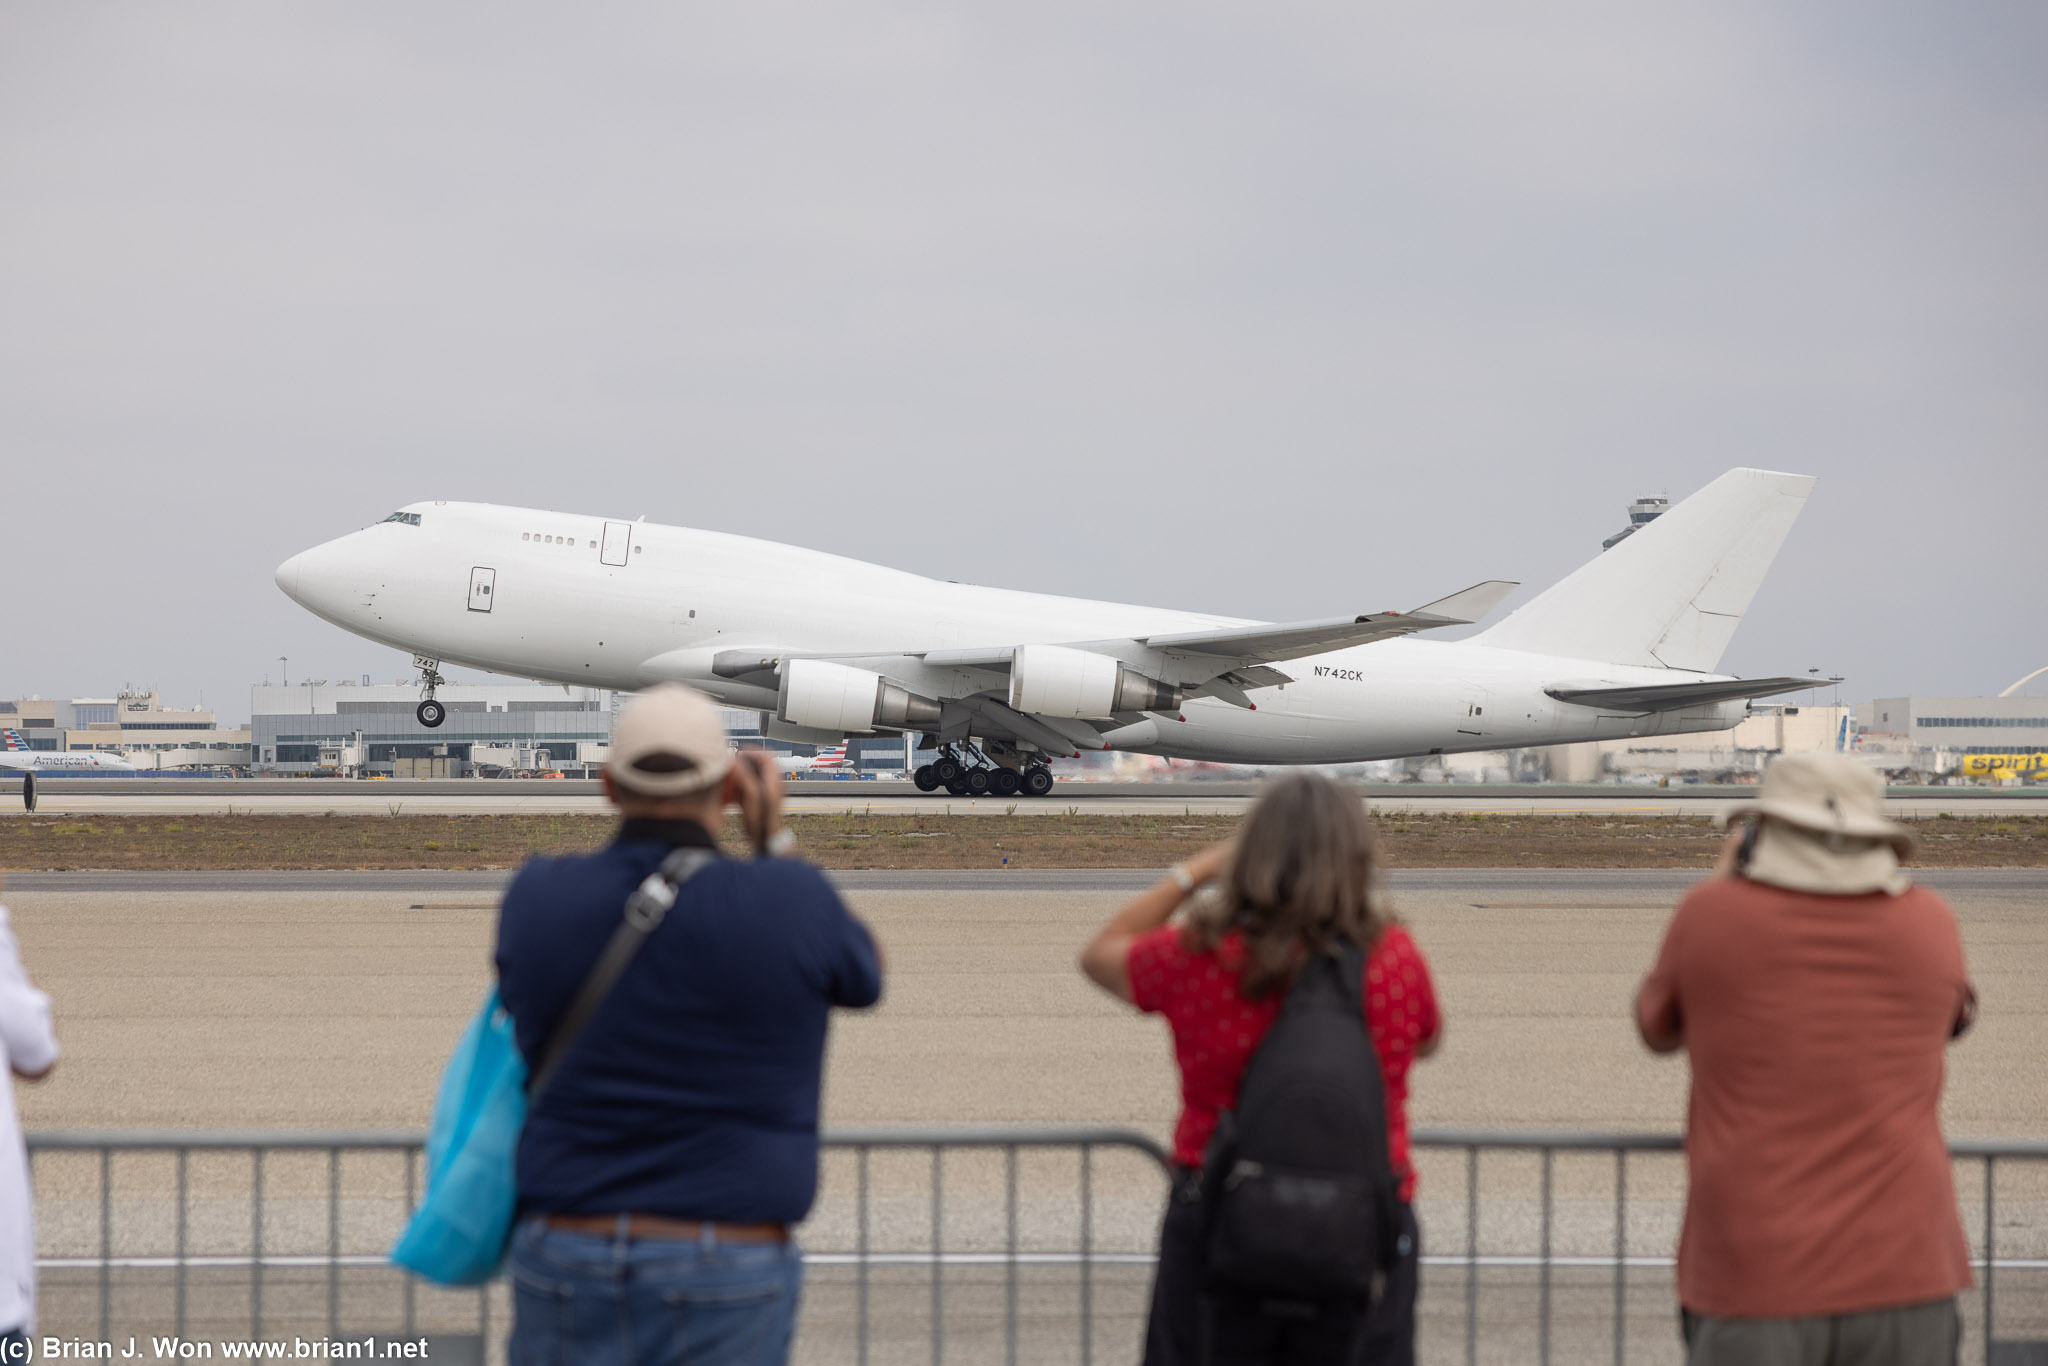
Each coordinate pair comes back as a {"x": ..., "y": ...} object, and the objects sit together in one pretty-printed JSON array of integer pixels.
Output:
[
  {"x": 946, "y": 769},
  {"x": 1005, "y": 783},
  {"x": 977, "y": 782},
  {"x": 1037, "y": 782},
  {"x": 926, "y": 778},
  {"x": 957, "y": 784},
  {"x": 431, "y": 713}
]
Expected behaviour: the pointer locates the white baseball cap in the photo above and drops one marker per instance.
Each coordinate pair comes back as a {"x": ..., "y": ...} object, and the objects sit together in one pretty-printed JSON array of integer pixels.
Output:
[{"x": 669, "y": 743}]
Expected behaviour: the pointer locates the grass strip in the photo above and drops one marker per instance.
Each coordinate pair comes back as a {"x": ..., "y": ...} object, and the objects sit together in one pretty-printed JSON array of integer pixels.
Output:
[{"x": 850, "y": 840}]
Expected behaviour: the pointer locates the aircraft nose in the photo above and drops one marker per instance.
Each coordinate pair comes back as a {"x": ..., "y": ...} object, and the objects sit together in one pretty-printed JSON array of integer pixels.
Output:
[{"x": 326, "y": 580}]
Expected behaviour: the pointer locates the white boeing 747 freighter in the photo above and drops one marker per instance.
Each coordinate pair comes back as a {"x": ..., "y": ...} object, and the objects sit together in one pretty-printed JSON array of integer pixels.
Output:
[{"x": 998, "y": 681}]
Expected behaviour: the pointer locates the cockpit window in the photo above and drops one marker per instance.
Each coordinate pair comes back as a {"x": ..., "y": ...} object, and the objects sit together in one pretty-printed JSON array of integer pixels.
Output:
[{"x": 409, "y": 518}]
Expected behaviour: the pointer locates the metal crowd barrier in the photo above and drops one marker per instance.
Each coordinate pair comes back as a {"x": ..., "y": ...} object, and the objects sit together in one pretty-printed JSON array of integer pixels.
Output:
[
  {"x": 257, "y": 1236},
  {"x": 62, "y": 1216},
  {"x": 927, "y": 1245},
  {"x": 1009, "y": 1143},
  {"x": 1986, "y": 1155}
]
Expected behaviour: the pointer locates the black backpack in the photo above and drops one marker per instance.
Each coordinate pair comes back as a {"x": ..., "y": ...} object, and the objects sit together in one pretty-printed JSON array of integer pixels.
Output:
[{"x": 1300, "y": 1198}]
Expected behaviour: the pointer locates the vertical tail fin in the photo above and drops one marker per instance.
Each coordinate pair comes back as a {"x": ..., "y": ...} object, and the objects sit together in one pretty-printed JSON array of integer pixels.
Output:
[
  {"x": 1672, "y": 594},
  {"x": 10, "y": 738}
]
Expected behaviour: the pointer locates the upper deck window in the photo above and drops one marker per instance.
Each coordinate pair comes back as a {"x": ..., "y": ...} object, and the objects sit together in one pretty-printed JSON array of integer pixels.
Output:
[{"x": 409, "y": 518}]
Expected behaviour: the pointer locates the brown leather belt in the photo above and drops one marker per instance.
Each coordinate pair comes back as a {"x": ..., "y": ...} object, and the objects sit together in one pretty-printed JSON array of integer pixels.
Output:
[{"x": 660, "y": 1226}]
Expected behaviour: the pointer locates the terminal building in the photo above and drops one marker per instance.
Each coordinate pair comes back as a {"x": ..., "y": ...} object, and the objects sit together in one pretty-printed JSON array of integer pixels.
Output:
[
  {"x": 1934, "y": 731},
  {"x": 359, "y": 730},
  {"x": 133, "y": 723},
  {"x": 493, "y": 730}
]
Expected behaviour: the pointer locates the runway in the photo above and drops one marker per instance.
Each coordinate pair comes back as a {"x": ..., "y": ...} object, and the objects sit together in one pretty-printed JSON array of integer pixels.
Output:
[
  {"x": 329, "y": 1000},
  {"x": 191, "y": 797}
]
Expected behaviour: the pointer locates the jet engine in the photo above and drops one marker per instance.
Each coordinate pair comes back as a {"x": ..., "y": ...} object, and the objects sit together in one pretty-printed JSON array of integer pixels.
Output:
[
  {"x": 839, "y": 698},
  {"x": 1057, "y": 680}
]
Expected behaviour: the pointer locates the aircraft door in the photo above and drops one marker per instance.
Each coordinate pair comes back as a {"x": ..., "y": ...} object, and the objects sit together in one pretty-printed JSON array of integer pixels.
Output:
[
  {"x": 618, "y": 539},
  {"x": 481, "y": 582},
  {"x": 1473, "y": 705}
]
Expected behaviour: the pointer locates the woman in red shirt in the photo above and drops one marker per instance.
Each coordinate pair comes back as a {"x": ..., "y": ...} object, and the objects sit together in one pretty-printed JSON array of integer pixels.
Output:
[{"x": 1297, "y": 880}]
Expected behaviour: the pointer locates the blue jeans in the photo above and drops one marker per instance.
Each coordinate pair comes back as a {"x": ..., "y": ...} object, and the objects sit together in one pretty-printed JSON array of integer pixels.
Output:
[{"x": 609, "y": 1301}]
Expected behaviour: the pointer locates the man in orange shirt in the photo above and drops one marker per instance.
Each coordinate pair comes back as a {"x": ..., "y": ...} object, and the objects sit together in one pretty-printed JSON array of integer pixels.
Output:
[{"x": 1816, "y": 990}]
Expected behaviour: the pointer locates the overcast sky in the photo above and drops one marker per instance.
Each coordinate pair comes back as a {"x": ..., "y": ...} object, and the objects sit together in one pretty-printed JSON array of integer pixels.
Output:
[{"x": 1271, "y": 310}]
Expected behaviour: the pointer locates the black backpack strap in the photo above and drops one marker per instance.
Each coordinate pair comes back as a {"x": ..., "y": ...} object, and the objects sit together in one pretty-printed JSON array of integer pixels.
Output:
[
  {"x": 1352, "y": 960},
  {"x": 645, "y": 910},
  {"x": 1351, "y": 973}
]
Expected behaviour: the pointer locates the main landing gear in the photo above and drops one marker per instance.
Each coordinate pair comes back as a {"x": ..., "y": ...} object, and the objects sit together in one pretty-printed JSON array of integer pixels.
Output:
[
  {"x": 974, "y": 774},
  {"x": 429, "y": 712}
]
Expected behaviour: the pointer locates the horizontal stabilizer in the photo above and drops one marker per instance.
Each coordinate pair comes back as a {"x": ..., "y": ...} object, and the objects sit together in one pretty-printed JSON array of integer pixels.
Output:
[{"x": 1672, "y": 696}]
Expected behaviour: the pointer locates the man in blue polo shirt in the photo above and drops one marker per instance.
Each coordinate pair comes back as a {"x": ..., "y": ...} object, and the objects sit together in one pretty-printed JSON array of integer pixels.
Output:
[{"x": 662, "y": 1169}]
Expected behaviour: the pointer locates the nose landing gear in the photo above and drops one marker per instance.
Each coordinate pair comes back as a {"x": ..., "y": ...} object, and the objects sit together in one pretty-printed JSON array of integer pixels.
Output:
[{"x": 429, "y": 712}]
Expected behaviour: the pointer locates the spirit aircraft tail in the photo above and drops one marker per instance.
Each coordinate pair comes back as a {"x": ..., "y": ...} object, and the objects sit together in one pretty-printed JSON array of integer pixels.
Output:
[{"x": 1672, "y": 594}]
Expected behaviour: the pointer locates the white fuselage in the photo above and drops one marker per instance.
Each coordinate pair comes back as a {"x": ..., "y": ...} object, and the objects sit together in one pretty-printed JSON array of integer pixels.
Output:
[{"x": 559, "y": 597}]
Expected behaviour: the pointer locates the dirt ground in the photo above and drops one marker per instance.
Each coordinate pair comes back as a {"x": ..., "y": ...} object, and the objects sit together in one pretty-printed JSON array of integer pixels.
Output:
[{"x": 923, "y": 841}]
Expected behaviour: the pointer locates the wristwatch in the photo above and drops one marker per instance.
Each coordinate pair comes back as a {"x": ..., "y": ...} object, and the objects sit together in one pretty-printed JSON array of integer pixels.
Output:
[
  {"x": 781, "y": 844},
  {"x": 1182, "y": 878}
]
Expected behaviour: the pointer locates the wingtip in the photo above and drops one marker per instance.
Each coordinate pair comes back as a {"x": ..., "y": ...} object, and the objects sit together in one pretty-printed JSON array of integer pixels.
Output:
[{"x": 1470, "y": 604}]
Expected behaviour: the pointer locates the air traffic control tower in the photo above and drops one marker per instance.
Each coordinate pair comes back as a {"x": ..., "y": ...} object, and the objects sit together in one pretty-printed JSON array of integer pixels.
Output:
[{"x": 1641, "y": 513}]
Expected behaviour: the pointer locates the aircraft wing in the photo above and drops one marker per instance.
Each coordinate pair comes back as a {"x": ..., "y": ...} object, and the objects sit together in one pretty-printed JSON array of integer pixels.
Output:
[
  {"x": 1150, "y": 674},
  {"x": 1292, "y": 640},
  {"x": 1241, "y": 650},
  {"x": 1672, "y": 696}
]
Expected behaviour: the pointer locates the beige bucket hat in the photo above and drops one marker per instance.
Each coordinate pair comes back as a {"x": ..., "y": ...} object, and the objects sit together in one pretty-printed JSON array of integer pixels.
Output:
[
  {"x": 1823, "y": 828},
  {"x": 669, "y": 742}
]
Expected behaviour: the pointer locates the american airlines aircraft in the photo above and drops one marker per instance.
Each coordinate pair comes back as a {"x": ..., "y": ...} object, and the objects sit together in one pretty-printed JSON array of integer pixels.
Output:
[
  {"x": 830, "y": 760},
  {"x": 999, "y": 681}
]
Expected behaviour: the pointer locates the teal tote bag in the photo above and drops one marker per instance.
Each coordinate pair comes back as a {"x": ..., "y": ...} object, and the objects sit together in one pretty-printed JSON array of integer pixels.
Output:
[{"x": 459, "y": 1233}]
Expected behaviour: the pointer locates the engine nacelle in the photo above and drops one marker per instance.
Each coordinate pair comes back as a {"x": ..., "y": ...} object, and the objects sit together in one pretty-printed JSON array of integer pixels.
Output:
[
  {"x": 1057, "y": 680},
  {"x": 840, "y": 698}
]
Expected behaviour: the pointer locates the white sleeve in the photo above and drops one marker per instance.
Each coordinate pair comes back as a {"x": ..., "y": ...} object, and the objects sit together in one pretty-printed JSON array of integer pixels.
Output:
[{"x": 25, "y": 1031}]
